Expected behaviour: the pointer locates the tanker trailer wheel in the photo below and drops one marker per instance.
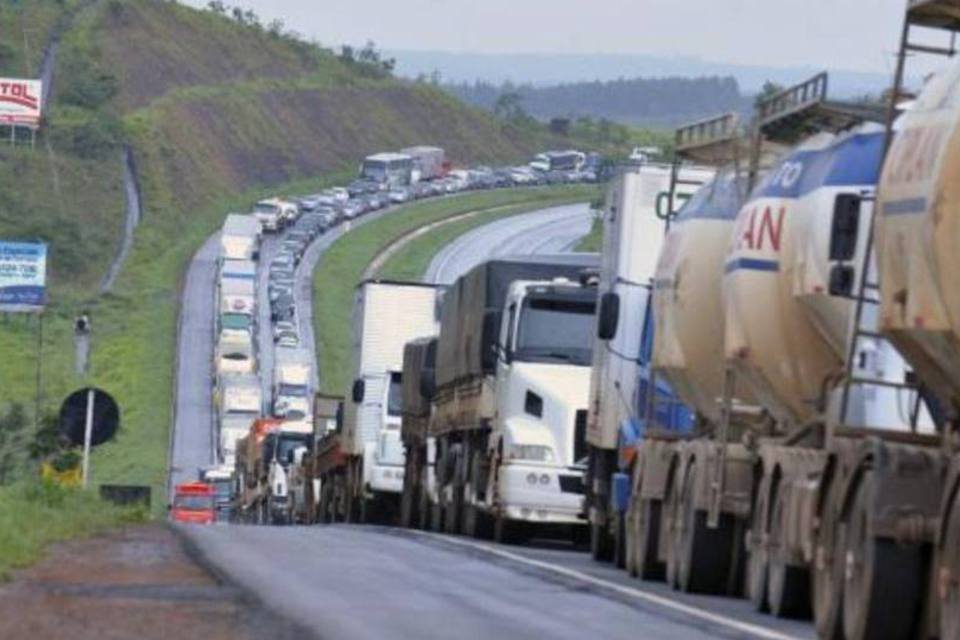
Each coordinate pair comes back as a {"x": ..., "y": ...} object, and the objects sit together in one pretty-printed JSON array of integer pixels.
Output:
[
  {"x": 705, "y": 553},
  {"x": 632, "y": 527},
  {"x": 828, "y": 567},
  {"x": 758, "y": 553},
  {"x": 949, "y": 579},
  {"x": 671, "y": 528},
  {"x": 408, "y": 501},
  {"x": 323, "y": 507},
  {"x": 788, "y": 586},
  {"x": 647, "y": 540},
  {"x": 883, "y": 581}
]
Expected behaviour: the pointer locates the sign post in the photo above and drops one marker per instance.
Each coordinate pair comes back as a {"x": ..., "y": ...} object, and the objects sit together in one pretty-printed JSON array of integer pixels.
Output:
[{"x": 87, "y": 433}]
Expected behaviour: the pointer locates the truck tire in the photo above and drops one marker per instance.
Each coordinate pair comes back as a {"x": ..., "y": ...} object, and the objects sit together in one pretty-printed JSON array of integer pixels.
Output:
[
  {"x": 788, "y": 586},
  {"x": 619, "y": 558},
  {"x": 828, "y": 565},
  {"x": 647, "y": 541},
  {"x": 601, "y": 546},
  {"x": 885, "y": 582},
  {"x": 948, "y": 582},
  {"x": 757, "y": 553},
  {"x": 704, "y": 554},
  {"x": 506, "y": 531},
  {"x": 670, "y": 527}
]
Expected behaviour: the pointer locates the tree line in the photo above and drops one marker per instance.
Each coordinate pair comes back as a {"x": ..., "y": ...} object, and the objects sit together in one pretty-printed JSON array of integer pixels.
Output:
[{"x": 641, "y": 101}]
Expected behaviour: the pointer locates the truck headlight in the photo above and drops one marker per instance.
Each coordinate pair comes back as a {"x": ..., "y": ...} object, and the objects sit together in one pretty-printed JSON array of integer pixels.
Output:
[{"x": 533, "y": 452}]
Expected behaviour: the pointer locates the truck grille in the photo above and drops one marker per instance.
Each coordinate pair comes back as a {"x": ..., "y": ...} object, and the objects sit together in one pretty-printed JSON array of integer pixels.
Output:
[
  {"x": 580, "y": 436},
  {"x": 571, "y": 484}
]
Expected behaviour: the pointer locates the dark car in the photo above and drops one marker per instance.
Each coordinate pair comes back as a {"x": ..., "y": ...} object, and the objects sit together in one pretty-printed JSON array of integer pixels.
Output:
[{"x": 283, "y": 308}]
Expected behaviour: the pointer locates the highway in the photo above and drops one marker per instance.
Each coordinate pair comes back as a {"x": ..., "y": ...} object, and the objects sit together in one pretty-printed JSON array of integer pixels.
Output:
[{"x": 347, "y": 581}]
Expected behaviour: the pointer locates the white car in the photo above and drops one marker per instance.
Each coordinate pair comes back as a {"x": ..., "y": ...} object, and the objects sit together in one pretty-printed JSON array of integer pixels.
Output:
[
  {"x": 398, "y": 196},
  {"x": 339, "y": 193}
]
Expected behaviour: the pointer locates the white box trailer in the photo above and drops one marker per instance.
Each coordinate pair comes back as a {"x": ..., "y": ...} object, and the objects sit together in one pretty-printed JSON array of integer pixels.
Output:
[
  {"x": 428, "y": 162},
  {"x": 240, "y": 237},
  {"x": 386, "y": 315},
  {"x": 240, "y": 402},
  {"x": 237, "y": 296}
]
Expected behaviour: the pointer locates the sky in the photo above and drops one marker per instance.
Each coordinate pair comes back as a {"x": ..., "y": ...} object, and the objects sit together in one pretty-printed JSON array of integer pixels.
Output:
[{"x": 849, "y": 34}]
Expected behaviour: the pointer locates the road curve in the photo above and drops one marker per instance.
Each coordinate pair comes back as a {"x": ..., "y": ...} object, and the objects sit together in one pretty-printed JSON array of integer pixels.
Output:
[{"x": 347, "y": 581}]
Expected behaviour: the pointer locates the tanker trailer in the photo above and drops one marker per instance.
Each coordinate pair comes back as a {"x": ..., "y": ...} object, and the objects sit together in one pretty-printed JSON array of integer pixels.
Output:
[
  {"x": 917, "y": 232},
  {"x": 638, "y": 202},
  {"x": 834, "y": 390},
  {"x": 688, "y": 352}
]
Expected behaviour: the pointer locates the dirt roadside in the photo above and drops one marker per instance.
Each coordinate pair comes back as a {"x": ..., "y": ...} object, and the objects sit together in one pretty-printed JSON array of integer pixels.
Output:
[{"x": 136, "y": 583}]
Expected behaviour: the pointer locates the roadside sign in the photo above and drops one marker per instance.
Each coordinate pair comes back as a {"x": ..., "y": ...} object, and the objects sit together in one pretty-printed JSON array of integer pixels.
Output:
[
  {"x": 20, "y": 102},
  {"x": 23, "y": 276}
]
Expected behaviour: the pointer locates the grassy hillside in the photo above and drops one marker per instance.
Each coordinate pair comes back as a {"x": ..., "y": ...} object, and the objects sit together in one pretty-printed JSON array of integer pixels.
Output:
[{"x": 216, "y": 113}]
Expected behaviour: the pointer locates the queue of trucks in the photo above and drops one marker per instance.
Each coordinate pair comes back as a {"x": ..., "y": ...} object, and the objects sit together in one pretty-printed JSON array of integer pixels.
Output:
[{"x": 766, "y": 401}]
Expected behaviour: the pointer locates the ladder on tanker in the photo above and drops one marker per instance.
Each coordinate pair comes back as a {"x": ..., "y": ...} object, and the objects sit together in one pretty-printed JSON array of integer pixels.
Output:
[{"x": 941, "y": 15}]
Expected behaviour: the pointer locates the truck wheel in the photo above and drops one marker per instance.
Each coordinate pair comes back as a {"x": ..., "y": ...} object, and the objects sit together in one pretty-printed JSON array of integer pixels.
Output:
[
  {"x": 827, "y": 568},
  {"x": 601, "y": 547},
  {"x": 704, "y": 563},
  {"x": 757, "y": 558},
  {"x": 619, "y": 541},
  {"x": 506, "y": 531},
  {"x": 788, "y": 586},
  {"x": 671, "y": 528},
  {"x": 884, "y": 582},
  {"x": 631, "y": 538},
  {"x": 436, "y": 517},
  {"x": 948, "y": 582},
  {"x": 453, "y": 510},
  {"x": 648, "y": 565}
]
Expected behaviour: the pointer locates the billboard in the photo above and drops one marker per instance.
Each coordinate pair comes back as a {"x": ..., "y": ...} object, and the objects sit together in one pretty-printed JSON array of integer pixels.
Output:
[
  {"x": 23, "y": 276},
  {"x": 20, "y": 102}
]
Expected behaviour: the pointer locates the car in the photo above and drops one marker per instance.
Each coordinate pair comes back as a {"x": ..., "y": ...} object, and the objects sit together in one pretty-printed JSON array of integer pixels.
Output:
[
  {"x": 351, "y": 210},
  {"x": 398, "y": 196},
  {"x": 289, "y": 340},
  {"x": 279, "y": 289},
  {"x": 278, "y": 274},
  {"x": 340, "y": 193},
  {"x": 295, "y": 248},
  {"x": 309, "y": 203},
  {"x": 283, "y": 308},
  {"x": 282, "y": 261},
  {"x": 282, "y": 327}
]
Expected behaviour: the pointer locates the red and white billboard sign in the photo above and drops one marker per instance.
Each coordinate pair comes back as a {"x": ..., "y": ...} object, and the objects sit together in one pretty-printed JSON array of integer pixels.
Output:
[{"x": 20, "y": 102}]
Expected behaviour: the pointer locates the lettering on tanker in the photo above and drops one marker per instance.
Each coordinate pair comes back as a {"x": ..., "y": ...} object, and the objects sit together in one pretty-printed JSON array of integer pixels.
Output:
[{"x": 761, "y": 229}]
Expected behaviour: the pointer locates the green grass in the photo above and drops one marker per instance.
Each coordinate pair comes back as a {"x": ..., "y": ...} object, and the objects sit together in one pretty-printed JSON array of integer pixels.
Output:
[
  {"x": 34, "y": 516},
  {"x": 593, "y": 241},
  {"x": 342, "y": 265}
]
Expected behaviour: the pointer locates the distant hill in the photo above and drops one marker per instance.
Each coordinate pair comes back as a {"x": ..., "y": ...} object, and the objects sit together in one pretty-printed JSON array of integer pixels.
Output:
[
  {"x": 551, "y": 69},
  {"x": 656, "y": 102}
]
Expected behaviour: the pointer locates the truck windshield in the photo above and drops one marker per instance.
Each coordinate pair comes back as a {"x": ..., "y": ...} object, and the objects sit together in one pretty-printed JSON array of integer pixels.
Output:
[
  {"x": 555, "y": 329},
  {"x": 289, "y": 442},
  {"x": 395, "y": 394},
  {"x": 193, "y": 502},
  {"x": 222, "y": 487},
  {"x": 235, "y": 321},
  {"x": 263, "y": 207},
  {"x": 297, "y": 390}
]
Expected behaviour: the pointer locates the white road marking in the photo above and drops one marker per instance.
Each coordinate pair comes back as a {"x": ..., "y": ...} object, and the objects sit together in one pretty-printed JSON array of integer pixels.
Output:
[{"x": 678, "y": 607}]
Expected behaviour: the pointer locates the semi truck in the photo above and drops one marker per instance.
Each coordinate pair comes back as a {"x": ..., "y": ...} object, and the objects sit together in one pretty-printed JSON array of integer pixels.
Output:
[
  {"x": 193, "y": 503},
  {"x": 509, "y": 399},
  {"x": 307, "y": 487},
  {"x": 429, "y": 163},
  {"x": 419, "y": 381},
  {"x": 274, "y": 214},
  {"x": 292, "y": 381},
  {"x": 240, "y": 237},
  {"x": 264, "y": 457},
  {"x": 639, "y": 202},
  {"x": 239, "y": 404},
  {"x": 386, "y": 314}
]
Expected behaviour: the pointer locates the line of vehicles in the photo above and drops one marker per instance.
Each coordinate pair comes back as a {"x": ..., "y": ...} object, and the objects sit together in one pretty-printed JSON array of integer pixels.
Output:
[
  {"x": 260, "y": 433},
  {"x": 753, "y": 392}
]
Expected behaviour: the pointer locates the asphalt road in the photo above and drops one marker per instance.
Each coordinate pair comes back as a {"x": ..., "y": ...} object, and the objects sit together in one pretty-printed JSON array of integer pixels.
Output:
[
  {"x": 347, "y": 581},
  {"x": 553, "y": 230}
]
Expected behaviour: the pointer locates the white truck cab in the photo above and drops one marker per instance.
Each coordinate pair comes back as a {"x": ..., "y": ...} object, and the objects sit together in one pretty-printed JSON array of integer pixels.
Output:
[
  {"x": 542, "y": 391},
  {"x": 274, "y": 214}
]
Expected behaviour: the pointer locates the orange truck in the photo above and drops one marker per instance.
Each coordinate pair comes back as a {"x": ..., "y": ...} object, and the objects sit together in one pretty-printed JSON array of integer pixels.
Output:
[{"x": 194, "y": 503}]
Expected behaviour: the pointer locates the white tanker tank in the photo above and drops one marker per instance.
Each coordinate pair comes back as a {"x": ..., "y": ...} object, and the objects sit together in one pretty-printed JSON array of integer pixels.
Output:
[
  {"x": 785, "y": 334},
  {"x": 688, "y": 306}
]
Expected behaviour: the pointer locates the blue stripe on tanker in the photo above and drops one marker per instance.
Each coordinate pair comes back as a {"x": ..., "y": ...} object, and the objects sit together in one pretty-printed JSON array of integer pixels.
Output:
[
  {"x": 855, "y": 160},
  {"x": 751, "y": 264}
]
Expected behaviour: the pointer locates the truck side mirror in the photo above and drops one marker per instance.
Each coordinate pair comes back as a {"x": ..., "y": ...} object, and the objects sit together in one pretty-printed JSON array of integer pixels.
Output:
[
  {"x": 359, "y": 389},
  {"x": 609, "y": 316},
  {"x": 845, "y": 227},
  {"x": 428, "y": 383},
  {"x": 841, "y": 280}
]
